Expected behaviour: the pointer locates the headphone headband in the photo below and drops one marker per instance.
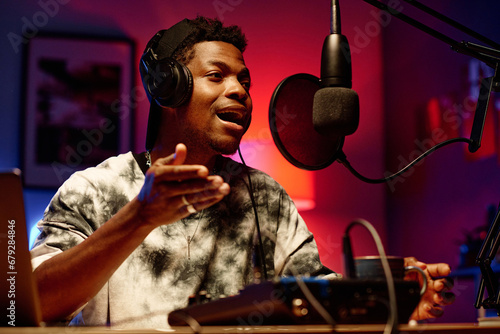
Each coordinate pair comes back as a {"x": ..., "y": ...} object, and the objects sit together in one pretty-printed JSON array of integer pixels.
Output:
[{"x": 167, "y": 82}]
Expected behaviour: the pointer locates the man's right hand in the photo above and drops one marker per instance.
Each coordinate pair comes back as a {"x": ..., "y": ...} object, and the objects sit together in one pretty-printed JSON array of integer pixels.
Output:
[{"x": 172, "y": 191}]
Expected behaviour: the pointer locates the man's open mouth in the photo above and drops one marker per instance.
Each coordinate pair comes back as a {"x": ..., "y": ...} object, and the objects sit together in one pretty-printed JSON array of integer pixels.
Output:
[{"x": 233, "y": 115}]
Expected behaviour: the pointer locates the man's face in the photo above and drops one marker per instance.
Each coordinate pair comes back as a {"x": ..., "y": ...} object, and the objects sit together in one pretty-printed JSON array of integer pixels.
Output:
[{"x": 218, "y": 113}]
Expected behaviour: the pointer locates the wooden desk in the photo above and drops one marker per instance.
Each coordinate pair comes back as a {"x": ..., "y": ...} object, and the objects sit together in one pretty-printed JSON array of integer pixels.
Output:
[{"x": 468, "y": 328}]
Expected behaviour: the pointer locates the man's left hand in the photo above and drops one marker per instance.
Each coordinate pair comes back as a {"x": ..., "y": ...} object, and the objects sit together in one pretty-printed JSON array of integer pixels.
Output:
[{"x": 438, "y": 292}]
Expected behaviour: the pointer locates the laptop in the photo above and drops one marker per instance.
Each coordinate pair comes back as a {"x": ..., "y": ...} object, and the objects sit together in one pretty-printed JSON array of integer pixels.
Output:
[{"x": 19, "y": 296}]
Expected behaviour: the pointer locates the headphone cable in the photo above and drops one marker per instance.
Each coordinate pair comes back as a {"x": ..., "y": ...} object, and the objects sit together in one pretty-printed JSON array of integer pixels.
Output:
[{"x": 257, "y": 224}]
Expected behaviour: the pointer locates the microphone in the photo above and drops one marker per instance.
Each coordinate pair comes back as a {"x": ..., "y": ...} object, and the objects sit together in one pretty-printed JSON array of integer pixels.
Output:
[
  {"x": 335, "y": 105},
  {"x": 309, "y": 117}
]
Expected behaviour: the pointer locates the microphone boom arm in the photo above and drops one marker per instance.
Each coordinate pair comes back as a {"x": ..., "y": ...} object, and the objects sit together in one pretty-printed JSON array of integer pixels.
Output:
[
  {"x": 460, "y": 47},
  {"x": 489, "y": 56},
  {"x": 486, "y": 255}
]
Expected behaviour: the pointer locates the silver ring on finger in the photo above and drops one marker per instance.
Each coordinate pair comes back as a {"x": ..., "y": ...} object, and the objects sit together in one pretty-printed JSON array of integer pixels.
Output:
[
  {"x": 190, "y": 208},
  {"x": 185, "y": 201}
]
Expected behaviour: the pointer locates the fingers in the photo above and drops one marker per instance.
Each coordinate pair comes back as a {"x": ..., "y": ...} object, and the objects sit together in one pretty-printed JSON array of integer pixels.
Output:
[
  {"x": 165, "y": 170},
  {"x": 200, "y": 191},
  {"x": 189, "y": 209},
  {"x": 438, "y": 269},
  {"x": 180, "y": 173},
  {"x": 155, "y": 186},
  {"x": 411, "y": 261},
  {"x": 433, "y": 271},
  {"x": 182, "y": 193},
  {"x": 443, "y": 284},
  {"x": 176, "y": 158},
  {"x": 441, "y": 291},
  {"x": 444, "y": 298},
  {"x": 431, "y": 311},
  {"x": 180, "y": 154},
  {"x": 427, "y": 310}
]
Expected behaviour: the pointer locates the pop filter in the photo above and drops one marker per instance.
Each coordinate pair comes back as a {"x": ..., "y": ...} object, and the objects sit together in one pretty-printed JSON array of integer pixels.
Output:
[{"x": 291, "y": 124}]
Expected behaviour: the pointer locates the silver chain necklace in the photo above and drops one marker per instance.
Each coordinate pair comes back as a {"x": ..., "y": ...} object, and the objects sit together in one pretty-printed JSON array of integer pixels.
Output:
[{"x": 190, "y": 238}]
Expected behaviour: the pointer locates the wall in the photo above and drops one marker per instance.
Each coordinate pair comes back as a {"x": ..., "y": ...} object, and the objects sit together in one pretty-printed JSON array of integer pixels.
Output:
[
  {"x": 285, "y": 37},
  {"x": 433, "y": 208}
]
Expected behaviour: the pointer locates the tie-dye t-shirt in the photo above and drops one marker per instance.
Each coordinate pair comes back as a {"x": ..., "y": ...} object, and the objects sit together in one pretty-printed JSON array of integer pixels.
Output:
[{"x": 158, "y": 276}]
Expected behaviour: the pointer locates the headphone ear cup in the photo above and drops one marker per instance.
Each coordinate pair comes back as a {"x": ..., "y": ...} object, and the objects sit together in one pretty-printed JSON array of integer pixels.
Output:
[
  {"x": 175, "y": 93},
  {"x": 167, "y": 81}
]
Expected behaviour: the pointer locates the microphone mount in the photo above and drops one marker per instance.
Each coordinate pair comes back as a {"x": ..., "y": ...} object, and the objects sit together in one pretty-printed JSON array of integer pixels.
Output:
[
  {"x": 336, "y": 70},
  {"x": 488, "y": 55},
  {"x": 336, "y": 26},
  {"x": 484, "y": 259}
]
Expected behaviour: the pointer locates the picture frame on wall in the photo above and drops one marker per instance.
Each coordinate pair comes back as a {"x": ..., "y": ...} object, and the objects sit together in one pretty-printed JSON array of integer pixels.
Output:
[{"x": 77, "y": 105}]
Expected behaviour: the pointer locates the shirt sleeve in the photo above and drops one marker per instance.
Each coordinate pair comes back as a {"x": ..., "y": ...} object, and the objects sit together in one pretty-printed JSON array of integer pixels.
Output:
[
  {"x": 299, "y": 254},
  {"x": 67, "y": 221}
]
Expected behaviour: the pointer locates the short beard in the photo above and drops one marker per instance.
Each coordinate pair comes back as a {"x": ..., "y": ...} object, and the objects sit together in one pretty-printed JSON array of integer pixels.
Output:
[{"x": 225, "y": 149}]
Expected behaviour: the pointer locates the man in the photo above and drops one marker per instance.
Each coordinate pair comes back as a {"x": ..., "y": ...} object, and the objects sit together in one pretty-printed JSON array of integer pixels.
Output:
[{"x": 124, "y": 244}]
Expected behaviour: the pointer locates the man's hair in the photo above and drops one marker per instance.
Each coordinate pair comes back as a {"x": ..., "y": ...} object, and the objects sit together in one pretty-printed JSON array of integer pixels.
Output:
[{"x": 206, "y": 30}]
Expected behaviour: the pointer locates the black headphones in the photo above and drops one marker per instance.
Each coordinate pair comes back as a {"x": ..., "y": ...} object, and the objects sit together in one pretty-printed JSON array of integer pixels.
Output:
[{"x": 166, "y": 81}]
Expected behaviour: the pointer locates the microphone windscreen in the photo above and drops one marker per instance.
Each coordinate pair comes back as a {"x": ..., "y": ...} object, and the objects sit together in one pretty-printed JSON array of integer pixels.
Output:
[
  {"x": 290, "y": 121},
  {"x": 335, "y": 111}
]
